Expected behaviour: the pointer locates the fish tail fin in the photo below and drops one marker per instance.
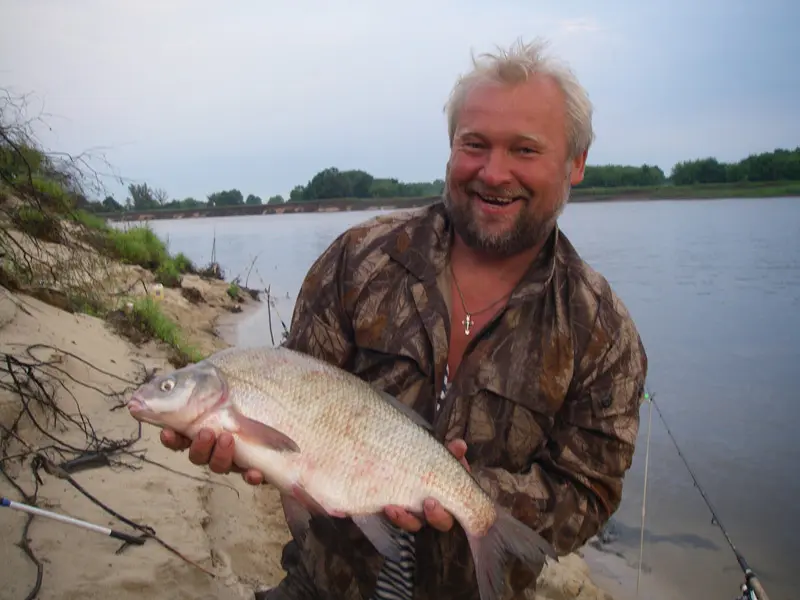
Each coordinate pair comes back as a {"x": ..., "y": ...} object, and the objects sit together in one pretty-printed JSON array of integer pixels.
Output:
[{"x": 506, "y": 538}]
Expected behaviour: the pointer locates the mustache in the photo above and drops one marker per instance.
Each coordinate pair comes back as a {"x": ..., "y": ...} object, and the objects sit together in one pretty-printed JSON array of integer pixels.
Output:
[{"x": 496, "y": 192}]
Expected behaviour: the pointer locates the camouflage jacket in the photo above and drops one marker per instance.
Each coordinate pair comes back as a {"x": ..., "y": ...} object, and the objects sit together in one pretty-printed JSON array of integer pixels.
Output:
[{"x": 547, "y": 397}]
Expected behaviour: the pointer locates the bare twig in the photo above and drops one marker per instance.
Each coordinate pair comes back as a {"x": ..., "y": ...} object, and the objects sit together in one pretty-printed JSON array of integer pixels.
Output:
[
  {"x": 36, "y": 383},
  {"x": 269, "y": 315}
]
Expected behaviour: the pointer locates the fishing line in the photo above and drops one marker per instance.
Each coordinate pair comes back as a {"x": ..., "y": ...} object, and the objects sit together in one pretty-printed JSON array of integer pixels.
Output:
[
  {"x": 649, "y": 399},
  {"x": 751, "y": 589}
]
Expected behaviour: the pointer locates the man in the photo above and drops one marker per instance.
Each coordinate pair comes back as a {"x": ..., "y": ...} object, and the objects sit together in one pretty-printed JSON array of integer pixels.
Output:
[{"x": 479, "y": 314}]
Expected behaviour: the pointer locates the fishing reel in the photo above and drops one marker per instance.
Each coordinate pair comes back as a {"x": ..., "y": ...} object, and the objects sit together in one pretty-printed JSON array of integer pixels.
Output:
[
  {"x": 747, "y": 593},
  {"x": 749, "y": 590}
]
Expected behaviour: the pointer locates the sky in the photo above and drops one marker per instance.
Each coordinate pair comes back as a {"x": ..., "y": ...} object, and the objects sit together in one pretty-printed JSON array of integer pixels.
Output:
[{"x": 195, "y": 96}]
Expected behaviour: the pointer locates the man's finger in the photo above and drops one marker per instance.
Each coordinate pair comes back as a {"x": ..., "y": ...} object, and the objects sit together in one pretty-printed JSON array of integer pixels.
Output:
[
  {"x": 436, "y": 516},
  {"x": 403, "y": 519},
  {"x": 221, "y": 459},
  {"x": 458, "y": 448},
  {"x": 201, "y": 447},
  {"x": 174, "y": 441},
  {"x": 253, "y": 477}
]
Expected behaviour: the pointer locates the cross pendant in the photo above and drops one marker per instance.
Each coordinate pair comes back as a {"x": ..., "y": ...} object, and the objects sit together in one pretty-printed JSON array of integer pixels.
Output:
[{"x": 467, "y": 322}]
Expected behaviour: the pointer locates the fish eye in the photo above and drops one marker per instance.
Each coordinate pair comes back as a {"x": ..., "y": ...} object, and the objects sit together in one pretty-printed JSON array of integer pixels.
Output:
[{"x": 167, "y": 385}]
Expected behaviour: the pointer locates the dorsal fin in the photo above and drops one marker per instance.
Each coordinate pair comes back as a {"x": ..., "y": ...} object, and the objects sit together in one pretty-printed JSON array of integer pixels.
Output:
[{"x": 407, "y": 410}]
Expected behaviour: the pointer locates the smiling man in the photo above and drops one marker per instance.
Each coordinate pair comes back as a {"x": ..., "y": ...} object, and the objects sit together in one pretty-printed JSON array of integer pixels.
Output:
[{"x": 480, "y": 314}]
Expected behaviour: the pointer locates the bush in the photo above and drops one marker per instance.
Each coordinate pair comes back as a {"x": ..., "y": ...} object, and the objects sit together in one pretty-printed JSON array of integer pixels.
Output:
[
  {"x": 183, "y": 264},
  {"x": 139, "y": 246},
  {"x": 168, "y": 275}
]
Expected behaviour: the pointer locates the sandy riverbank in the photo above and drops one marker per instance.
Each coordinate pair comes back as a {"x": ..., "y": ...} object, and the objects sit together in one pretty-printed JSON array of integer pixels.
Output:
[{"x": 218, "y": 523}]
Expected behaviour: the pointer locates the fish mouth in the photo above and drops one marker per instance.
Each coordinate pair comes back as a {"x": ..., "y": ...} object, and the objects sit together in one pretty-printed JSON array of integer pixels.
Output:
[{"x": 135, "y": 405}]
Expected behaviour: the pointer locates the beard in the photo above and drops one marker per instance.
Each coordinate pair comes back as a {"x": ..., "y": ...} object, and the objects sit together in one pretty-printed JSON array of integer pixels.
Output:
[{"x": 527, "y": 231}]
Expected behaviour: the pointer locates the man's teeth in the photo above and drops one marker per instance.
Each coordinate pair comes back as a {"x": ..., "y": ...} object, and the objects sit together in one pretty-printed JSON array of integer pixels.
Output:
[{"x": 495, "y": 200}]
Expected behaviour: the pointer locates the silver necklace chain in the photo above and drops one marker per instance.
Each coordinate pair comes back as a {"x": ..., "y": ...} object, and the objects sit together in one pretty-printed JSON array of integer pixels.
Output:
[{"x": 468, "y": 321}]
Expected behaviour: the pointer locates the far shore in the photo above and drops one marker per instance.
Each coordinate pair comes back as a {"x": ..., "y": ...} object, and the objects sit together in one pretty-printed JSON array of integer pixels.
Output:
[{"x": 578, "y": 195}]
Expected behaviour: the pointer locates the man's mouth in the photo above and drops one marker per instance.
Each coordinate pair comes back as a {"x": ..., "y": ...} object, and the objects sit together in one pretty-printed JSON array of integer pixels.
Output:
[{"x": 497, "y": 200}]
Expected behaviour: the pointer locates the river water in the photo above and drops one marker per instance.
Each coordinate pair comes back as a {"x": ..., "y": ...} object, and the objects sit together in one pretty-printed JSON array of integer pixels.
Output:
[{"x": 714, "y": 287}]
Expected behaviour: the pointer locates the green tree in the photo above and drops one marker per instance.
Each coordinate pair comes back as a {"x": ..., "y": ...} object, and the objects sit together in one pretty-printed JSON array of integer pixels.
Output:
[
  {"x": 297, "y": 194},
  {"x": 779, "y": 165},
  {"x": 142, "y": 197},
  {"x": 276, "y": 200},
  {"x": 253, "y": 200},
  {"x": 621, "y": 176},
  {"x": 110, "y": 204},
  {"x": 190, "y": 202},
  {"x": 706, "y": 170},
  {"x": 332, "y": 183},
  {"x": 226, "y": 198}
]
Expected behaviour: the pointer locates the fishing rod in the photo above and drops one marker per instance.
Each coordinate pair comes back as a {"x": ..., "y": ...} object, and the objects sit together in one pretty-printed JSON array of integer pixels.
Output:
[
  {"x": 751, "y": 588},
  {"x": 34, "y": 510}
]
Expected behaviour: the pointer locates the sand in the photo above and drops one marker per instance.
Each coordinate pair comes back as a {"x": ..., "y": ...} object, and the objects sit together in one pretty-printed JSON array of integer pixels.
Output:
[{"x": 225, "y": 526}]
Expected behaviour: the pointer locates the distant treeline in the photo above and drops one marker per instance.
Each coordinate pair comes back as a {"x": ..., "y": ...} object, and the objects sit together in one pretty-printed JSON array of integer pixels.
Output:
[
  {"x": 332, "y": 184},
  {"x": 328, "y": 184}
]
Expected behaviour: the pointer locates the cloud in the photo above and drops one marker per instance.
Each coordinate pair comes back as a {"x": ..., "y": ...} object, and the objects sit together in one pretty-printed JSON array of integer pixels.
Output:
[{"x": 578, "y": 26}]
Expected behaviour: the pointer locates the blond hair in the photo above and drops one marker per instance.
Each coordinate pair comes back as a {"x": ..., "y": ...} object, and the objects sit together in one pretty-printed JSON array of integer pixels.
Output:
[{"x": 516, "y": 65}]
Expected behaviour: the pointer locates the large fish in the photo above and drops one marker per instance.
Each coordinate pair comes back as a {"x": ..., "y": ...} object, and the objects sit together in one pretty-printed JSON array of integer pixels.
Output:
[{"x": 336, "y": 446}]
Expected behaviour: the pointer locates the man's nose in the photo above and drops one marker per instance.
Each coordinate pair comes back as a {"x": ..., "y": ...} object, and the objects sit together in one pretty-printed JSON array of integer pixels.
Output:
[{"x": 496, "y": 170}]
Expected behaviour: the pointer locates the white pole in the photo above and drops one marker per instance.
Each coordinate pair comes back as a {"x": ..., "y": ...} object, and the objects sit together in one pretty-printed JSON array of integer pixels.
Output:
[{"x": 71, "y": 521}]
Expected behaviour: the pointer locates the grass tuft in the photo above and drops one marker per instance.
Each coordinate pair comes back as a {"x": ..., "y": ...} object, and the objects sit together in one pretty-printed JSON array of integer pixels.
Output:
[{"x": 146, "y": 321}]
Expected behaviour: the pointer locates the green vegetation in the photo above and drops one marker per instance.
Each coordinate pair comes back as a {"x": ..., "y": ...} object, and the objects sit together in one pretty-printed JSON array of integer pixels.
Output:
[
  {"x": 148, "y": 318},
  {"x": 141, "y": 246},
  {"x": 135, "y": 246},
  {"x": 331, "y": 183}
]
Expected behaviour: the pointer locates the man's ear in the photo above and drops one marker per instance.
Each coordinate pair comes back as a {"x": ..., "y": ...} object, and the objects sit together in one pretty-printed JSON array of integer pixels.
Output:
[{"x": 578, "y": 168}]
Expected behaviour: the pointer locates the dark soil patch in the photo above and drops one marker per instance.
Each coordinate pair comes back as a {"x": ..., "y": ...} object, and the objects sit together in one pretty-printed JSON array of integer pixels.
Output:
[{"x": 193, "y": 295}]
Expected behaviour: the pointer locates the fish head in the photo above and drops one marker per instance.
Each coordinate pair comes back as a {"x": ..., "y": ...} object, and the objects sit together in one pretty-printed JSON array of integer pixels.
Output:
[{"x": 181, "y": 398}]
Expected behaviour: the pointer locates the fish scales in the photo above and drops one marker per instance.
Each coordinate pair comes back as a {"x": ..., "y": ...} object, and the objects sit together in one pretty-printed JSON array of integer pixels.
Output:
[
  {"x": 334, "y": 446},
  {"x": 366, "y": 454}
]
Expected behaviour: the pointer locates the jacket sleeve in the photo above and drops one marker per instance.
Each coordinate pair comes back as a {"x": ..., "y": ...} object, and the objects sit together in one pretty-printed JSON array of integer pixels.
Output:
[
  {"x": 574, "y": 483},
  {"x": 320, "y": 325}
]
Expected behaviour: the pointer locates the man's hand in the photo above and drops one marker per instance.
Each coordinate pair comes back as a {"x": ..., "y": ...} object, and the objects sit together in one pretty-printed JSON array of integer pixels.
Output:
[
  {"x": 435, "y": 516},
  {"x": 205, "y": 450}
]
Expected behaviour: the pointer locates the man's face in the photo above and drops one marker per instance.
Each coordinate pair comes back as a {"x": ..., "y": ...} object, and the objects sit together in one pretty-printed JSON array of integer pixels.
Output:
[{"x": 509, "y": 174}]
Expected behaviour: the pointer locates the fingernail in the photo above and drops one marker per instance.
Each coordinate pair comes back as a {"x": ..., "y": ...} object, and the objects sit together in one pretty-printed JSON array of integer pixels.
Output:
[
  {"x": 225, "y": 442},
  {"x": 391, "y": 513},
  {"x": 205, "y": 436},
  {"x": 430, "y": 504}
]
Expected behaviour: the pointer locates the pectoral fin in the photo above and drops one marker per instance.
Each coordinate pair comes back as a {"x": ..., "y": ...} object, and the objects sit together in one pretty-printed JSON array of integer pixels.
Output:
[
  {"x": 261, "y": 434},
  {"x": 383, "y": 535},
  {"x": 407, "y": 410}
]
